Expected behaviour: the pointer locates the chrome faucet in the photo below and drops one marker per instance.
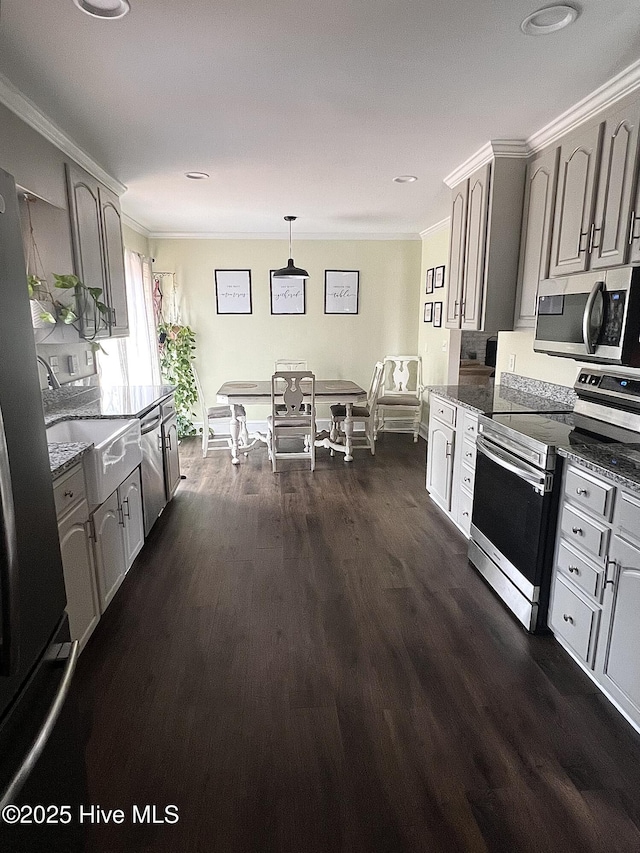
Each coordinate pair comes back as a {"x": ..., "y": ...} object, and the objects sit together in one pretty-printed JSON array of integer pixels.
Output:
[{"x": 52, "y": 379}]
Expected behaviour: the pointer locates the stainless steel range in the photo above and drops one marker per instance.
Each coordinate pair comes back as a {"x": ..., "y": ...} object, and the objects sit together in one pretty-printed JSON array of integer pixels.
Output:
[{"x": 517, "y": 484}]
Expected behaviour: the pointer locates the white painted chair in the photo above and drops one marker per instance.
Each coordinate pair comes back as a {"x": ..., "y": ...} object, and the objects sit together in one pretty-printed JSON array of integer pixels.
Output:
[
  {"x": 399, "y": 404},
  {"x": 365, "y": 414},
  {"x": 213, "y": 418},
  {"x": 293, "y": 416},
  {"x": 289, "y": 364}
]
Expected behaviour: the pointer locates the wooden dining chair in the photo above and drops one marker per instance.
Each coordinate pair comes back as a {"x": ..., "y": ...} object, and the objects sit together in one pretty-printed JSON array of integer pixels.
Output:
[
  {"x": 365, "y": 414},
  {"x": 213, "y": 420},
  {"x": 289, "y": 364},
  {"x": 293, "y": 416},
  {"x": 400, "y": 400}
]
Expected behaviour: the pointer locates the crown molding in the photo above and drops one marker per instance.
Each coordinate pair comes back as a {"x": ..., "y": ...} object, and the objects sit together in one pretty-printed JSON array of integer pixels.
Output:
[
  {"x": 516, "y": 148},
  {"x": 300, "y": 238},
  {"x": 438, "y": 226},
  {"x": 25, "y": 109},
  {"x": 135, "y": 226},
  {"x": 609, "y": 93}
]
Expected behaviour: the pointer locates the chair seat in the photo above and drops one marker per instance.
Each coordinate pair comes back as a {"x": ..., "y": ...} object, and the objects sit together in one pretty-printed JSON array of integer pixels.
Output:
[
  {"x": 398, "y": 400},
  {"x": 283, "y": 423},
  {"x": 223, "y": 412},
  {"x": 340, "y": 411}
]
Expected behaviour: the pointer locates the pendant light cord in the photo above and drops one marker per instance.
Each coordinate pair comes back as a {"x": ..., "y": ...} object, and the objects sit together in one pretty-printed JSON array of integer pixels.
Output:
[{"x": 290, "y": 255}]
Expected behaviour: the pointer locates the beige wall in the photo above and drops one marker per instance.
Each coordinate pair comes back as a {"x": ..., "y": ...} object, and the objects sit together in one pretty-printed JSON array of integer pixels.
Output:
[
  {"x": 134, "y": 241},
  {"x": 562, "y": 371},
  {"x": 435, "y": 251},
  {"x": 245, "y": 346}
]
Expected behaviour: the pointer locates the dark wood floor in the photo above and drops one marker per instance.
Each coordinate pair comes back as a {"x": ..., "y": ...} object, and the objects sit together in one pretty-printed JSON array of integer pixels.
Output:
[{"x": 308, "y": 664}]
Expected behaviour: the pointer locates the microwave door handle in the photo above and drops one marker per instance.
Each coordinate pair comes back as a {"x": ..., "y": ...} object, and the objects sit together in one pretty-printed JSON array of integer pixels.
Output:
[
  {"x": 8, "y": 565},
  {"x": 536, "y": 480},
  {"x": 589, "y": 343}
]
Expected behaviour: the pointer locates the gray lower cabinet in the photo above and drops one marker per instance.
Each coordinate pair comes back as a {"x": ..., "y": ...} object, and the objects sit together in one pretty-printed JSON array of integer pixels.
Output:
[
  {"x": 170, "y": 448},
  {"x": 535, "y": 242},
  {"x": 595, "y": 595}
]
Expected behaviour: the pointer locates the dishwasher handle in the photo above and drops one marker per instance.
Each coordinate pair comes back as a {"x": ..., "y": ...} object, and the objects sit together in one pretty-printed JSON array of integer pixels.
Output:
[{"x": 148, "y": 426}]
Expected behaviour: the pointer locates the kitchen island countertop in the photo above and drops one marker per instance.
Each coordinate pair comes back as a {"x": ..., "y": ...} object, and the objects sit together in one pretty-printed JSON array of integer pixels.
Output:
[
  {"x": 617, "y": 462},
  {"x": 116, "y": 401},
  {"x": 487, "y": 399}
]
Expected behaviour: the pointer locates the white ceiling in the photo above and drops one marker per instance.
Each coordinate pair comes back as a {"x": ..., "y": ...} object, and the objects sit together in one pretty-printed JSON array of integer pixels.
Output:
[{"x": 299, "y": 107}]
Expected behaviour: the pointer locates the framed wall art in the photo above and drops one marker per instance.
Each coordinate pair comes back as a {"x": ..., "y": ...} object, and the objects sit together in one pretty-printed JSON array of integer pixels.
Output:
[
  {"x": 233, "y": 291},
  {"x": 341, "y": 291},
  {"x": 428, "y": 312},
  {"x": 438, "y": 279},
  {"x": 437, "y": 314},
  {"x": 430, "y": 277},
  {"x": 287, "y": 295}
]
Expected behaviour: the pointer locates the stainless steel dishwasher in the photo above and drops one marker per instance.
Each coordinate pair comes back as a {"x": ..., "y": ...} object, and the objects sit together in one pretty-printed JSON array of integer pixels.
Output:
[{"x": 153, "y": 489}]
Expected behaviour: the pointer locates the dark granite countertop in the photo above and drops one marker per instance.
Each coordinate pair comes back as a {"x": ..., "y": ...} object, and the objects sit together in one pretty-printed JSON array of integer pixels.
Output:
[
  {"x": 490, "y": 399},
  {"x": 65, "y": 456},
  {"x": 116, "y": 401},
  {"x": 617, "y": 462}
]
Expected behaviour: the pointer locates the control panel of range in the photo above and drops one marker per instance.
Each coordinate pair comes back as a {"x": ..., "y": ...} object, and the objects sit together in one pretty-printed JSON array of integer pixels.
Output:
[{"x": 616, "y": 386}]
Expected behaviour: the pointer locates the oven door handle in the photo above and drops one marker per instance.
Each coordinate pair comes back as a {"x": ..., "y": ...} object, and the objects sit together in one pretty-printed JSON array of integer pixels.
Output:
[
  {"x": 589, "y": 342},
  {"x": 538, "y": 481}
]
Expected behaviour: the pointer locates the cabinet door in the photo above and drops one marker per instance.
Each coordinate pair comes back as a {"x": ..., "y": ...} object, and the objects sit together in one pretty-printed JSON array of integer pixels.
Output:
[
  {"x": 609, "y": 240},
  {"x": 86, "y": 234},
  {"x": 109, "y": 548},
  {"x": 440, "y": 463},
  {"x": 171, "y": 457},
  {"x": 535, "y": 243},
  {"x": 618, "y": 662},
  {"x": 579, "y": 157},
  {"x": 113, "y": 251},
  {"x": 476, "y": 238},
  {"x": 456, "y": 253},
  {"x": 79, "y": 575},
  {"x": 131, "y": 502}
]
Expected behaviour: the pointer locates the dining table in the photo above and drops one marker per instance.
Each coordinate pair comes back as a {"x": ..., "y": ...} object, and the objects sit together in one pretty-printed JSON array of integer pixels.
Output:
[{"x": 238, "y": 394}]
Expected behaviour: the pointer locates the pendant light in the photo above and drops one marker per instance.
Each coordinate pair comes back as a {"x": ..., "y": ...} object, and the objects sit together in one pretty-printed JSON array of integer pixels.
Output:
[{"x": 291, "y": 270}]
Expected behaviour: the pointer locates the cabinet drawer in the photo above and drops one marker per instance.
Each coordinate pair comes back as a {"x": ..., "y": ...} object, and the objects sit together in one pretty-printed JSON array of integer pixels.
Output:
[
  {"x": 445, "y": 412},
  {"x": 465, "y": 506},
  {"x": 69, "y": 490},
  {"x": 574, "y": 620},
  {"x": 626, "y": 519},
  {"x": 469, "y": 452},
  {"x": 580, "y": 572},
  {"x": 595, "y": 496},
  {"x": 467, "y": 478},
  {"x": 470, "y": 425},
  {"x": 587, "y": 535}
]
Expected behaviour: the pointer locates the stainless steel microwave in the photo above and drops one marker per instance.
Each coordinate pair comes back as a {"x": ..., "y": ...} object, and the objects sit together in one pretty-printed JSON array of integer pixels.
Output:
[{"x": 591, "y": 317}]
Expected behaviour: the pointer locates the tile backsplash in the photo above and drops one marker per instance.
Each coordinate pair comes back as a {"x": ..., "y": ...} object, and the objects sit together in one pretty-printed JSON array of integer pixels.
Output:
[{"x": 540, "y": 388}]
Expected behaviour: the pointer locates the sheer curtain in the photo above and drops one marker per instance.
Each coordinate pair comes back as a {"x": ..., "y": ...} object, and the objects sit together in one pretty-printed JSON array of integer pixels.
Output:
[{"x": 134, "y": 360}]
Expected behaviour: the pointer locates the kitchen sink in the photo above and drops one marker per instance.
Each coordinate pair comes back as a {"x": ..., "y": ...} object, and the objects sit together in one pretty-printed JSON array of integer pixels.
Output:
[{"x": 116, "y": 451}]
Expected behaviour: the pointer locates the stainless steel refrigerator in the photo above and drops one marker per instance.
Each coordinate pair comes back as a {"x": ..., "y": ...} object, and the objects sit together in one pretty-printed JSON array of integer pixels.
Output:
[{"x": 40, "y": 749}]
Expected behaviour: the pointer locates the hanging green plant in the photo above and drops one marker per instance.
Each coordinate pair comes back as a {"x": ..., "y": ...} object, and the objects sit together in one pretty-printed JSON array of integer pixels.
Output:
[
  {"x": 54, "y": 311},
  {"x": 177, "y": 350}
]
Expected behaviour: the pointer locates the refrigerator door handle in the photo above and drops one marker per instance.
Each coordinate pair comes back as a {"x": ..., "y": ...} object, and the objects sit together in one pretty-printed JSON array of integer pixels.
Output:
[
  {"x": 9, "y": 634},
  {"x": 43, "y": 735}
]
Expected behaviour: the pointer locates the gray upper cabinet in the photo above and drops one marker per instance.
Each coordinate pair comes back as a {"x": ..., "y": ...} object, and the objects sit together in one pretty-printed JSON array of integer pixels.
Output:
[
  {"x": 483, "y": 255},
  {"x": 535, "y": 242},
  {"x": 579, "y": 154},
  {"x": 98, "y": 252}
]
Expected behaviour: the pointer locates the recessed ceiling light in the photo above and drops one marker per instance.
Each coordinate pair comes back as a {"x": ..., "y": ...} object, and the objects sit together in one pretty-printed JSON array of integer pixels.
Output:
[
  {"x": 548, "y": 20},
  {"x": 405, "y": 179},
  {"x": 196, "y": 176},
  {"x": 109, "y": 9}
]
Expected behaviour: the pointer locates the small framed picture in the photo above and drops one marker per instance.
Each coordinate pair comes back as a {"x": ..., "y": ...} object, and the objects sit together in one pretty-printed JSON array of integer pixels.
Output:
[
  {"x": 233, "y": 291},
  {"x": 438, "y": 280},
  {"x": 430, "y": 276},
  {"x": 428, "y": 312},
  {"x": 341, "y": 289},
  {"x": 287, "y": 295},
  {"x": 437, "y": 314}
]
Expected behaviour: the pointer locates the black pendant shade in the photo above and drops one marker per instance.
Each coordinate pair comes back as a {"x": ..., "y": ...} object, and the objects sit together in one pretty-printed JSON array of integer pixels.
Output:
[{"x": 291, "y": 270}]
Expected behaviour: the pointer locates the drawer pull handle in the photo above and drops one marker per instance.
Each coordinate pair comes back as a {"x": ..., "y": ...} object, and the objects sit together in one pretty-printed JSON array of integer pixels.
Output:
[
  {"x": 577, "y": 530},
  {"x": 471, "y": 429},
  {"x": 441, "y": 411},
  {"x": 468, "y": 454},
  {"x": 467, "y": 479},
  {"x": 584, "y": 492},
  {"x": 568, "y": 619},
  {"x": 466, "y": 514},
  {"x": 574, "y": 570},
  {"x": 68, "y": 494}
]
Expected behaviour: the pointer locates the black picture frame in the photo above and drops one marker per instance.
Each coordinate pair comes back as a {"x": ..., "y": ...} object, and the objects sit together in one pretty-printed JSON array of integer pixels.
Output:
[
  {"x": 430, "y": 278},
  {"x": 296, "y": 300},
  {"x": 437, "y": 315},
  {"x": 428, "y": 312},
  {"x": 342, "y": 292},
  {"x": 233, "y": 287},
  {"x": 438, "y": 277}
]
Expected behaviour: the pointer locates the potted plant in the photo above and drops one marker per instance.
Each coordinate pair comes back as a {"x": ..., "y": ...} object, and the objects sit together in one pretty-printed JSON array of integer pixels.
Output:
[
  {"x": 177, "y": 347},
  {"x": 47, "y": 309}
]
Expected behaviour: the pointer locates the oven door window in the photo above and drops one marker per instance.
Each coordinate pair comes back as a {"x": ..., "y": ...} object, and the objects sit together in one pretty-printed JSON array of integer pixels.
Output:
[{"x": 512, "y": 515}]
